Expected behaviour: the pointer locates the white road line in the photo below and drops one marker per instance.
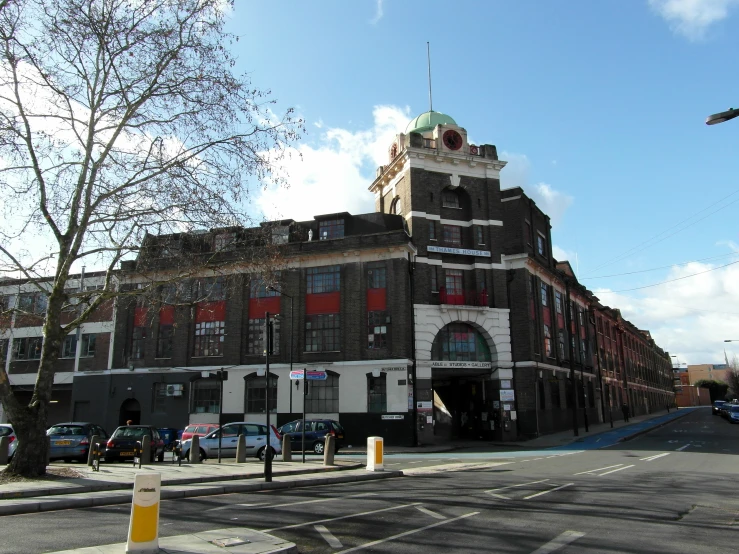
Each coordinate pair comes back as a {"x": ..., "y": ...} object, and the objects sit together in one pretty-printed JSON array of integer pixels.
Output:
[
  {"x": 414, "y": 504},
  {"x": 537, "y": 459},
  {"x": 563, "y": 540},
  {"x": 430, "y": 513},
  {"x": 499, "y": 496},
  {"x": 652, "y": 458},
  {"x": 547, "y": 492},
  {"x": 682, "y": 448},
  {"x": 228, "y": 506},
  {"x": 263, "y": 506},
  {"x": 599, "y": 469},
  {"x": 332, "y": 541},
  {"x": 615, "y": 470},
  {"x": 399, "y": 535},
  {"x": 514, "y": 486},
  {"x": 418, "y": 462}
]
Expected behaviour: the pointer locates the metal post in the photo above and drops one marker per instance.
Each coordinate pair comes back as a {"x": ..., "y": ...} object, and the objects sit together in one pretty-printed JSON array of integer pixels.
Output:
[
  {"x": 291, "y": 352},
  {"x": 305, "y": 398},
  {"x": 573, "y": 381},
  {"x": 220, "y": 415},
  {"x": 584, "y": 401},
  {"x": 267, "y": 451}
]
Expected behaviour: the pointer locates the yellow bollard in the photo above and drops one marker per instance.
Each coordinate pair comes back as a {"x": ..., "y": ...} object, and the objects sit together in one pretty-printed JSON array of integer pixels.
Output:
[
  {"x": 375, "y": 454},
  {"x": 143, "y": 530}
]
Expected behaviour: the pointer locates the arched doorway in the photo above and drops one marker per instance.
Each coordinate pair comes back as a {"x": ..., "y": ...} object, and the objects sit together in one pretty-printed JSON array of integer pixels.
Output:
[
  {"x": 130, "y": 410},
  {"x": 460, "y": 359}
]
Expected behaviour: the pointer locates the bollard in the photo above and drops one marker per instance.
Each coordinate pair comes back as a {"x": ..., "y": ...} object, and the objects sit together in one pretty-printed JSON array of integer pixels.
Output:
[
  {"x": 91, "y": 453},
  {"x": 328, "y": 450},
  {"x": 375, "y": 455},
  {"x": 195, "y": 450},
  {"x": 143, "y": 529},
  {"x": 146, "y": 450},
  {"x": 4, "y": 449},
  {"x": 48, "y": 450},
  {"x": 287, "y": 449},
  {"x": 241, "y": 450},
  {"x": 97, "y": 451}
]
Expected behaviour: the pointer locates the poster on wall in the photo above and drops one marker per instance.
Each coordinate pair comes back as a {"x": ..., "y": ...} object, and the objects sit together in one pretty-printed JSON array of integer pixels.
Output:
[
  {"x": 507, "y": 395},
  {"x": 410, "y": 397}
]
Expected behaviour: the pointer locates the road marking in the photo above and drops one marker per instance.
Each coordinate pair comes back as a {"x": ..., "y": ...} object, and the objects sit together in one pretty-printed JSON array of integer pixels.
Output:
[
  {"x": 682, "y": 448},
  {"x": 615, "y": 470},
  {"x": 519, "y": 485},
  {"x": 599, "y": 469},
  {"x": 418, "y": 462},
  {"x": 430, "y": 513},
  {"x": 563, "y": 540},
  {"x": 414, "y": 504},
  {"x": 652, "y": 458},
  {"x": 597, "y": 440},
  {"x": 332, "y": 541},
  {"x": 547, "y": 492},
  {"x": 399, "y": 535},
  {"x": 263, "y": 505},
  {"x": 537, "y": 459}
]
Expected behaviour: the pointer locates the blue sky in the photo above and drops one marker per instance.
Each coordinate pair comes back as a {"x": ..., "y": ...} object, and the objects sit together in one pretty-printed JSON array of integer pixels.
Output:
[{"x": 599, "y": 108}]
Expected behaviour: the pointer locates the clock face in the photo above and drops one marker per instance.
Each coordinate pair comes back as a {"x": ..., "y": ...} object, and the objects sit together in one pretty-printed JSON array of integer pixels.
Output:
[{"x": 452, "y": 139}]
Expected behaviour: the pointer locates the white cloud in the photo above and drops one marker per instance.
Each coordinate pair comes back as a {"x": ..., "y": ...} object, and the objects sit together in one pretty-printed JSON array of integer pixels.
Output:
[
  {"x": 334, "y": 176},
  {"x": 692, "y": 18},
  {"x": 689, "y": 318},
  {"x": 562, "y": 255},
  {"x": 378, "y": 13}
]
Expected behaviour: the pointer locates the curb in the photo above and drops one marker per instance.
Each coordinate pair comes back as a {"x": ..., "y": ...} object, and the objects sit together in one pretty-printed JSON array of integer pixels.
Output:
[
  {"x": 653, "y": 427},
  {"x": 25, "y": 506},
  {"x": 112, "y": 486}
]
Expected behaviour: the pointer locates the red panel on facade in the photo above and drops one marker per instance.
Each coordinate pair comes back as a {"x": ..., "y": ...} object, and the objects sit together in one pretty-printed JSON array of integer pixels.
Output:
[
  {"x": 210, "y": 311},
  {"x": 139, "y": 318},
  {"x": 547, "y": 315},
  {"x": 166, "y": 315},
  {"x": 560, "y": 321},
  {"x": 376, "y": 300},
  {"x": 259, "y": 306},
  {"x": 323, "y": 303}
]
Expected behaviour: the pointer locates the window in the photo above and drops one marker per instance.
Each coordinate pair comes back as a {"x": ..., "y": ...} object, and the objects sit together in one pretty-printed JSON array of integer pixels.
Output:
[
  {"x": 540, "y": 248},
  {"x": 460, "y": 342},
  {"x": 323, "y": 279},
  {"x": 210, "y": 289},
  {"x": 529, "y": 234},
  {"x": 454, "y": 282},
  {"x": 69, "y": 346},
  {"x": 223, "y": 241},
  {"x": 376, "y": 277},
  {"x": 138, "y": 342},
  {"x": 377, "y": 329},
  {"x": 377, "y": 393},
  {"x": 547, "y": 341},
  {"x": 255, "y": 340},
  {"x": 561, "y": 342},
  {"x": 169, "y": 293},
  {"x": 28, "y": 348},
  {"x": 449, "y": 199},
  {"x": 206, "y": 396},
  {"x": 558, "y": 301},
  {"x": 164, "y": 340},
  {"x": 397, "y": 206},
  {"x": 280, "y": 235},
  {"x": 554, "y": 393},
  {"x": 255, "y": 394},
  {"x": 452, "y": 234},
  {"x": 480, "y": 234},
  {"x": 322, "y": 333},
  {"x": 209, "y": 337},
  {"x": 580, "y": 317},
  {"x": 159, "y": 397},
  {"x": 331, "y": 229},
  {"x": 323, "y": 396},
  {"x": 258, "y": 288},
  {"x": 434, "y": 278},
  {"x": 544, "y": 295},
  {"x": 574, "y": 348},
  {"x": 33, "y": 303},
  {"x": 432, "y": 230},
  {"x": 583, "y": 350}
]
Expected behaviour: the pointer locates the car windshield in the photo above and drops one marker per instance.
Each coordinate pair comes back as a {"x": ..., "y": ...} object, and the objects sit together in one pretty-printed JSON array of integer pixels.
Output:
[
  {"x": 735, "y": 409},
  {"x": 719, "y": 402},
  {"x": 130, "y": 432},
  {"x": 5, "y": 431},
  {"x": 67, "y": 430}
]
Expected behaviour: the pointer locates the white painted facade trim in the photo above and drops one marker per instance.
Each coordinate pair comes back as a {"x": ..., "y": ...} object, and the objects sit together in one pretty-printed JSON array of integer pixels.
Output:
[
  {"x": 457, "y": 222},
  {"x": 429, "y": 261},
  {"x": 509, "y": 198}
]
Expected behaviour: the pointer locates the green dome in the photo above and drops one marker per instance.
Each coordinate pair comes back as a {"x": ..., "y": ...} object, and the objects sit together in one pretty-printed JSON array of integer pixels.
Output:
[{"x": 427, "y": 121}]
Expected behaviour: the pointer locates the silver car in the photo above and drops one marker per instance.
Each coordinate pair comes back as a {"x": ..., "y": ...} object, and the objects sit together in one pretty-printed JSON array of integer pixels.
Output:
[
  {"x": 254, "y": 435},
  {"x": 6, "y": 430}
]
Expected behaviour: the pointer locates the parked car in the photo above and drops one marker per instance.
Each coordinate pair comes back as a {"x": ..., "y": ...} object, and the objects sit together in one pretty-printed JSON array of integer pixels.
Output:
[
  {"x": 200, "y": 429},
  {"x": 122, "y": 443},
  {"x": 716, "y": 408},
  {"x": 71, "y": 441},
  {"x": 315, "y": 434},
  {"x": 733, "y": 416},
  {"x": 6, "y": 430},
  {"x": 169, "y": 435},
  {"x": 254, "y": 434}
]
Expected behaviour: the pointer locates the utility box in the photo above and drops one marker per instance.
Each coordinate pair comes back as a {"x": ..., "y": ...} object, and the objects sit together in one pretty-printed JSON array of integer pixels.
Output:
[{"x": 375, "y": 454}]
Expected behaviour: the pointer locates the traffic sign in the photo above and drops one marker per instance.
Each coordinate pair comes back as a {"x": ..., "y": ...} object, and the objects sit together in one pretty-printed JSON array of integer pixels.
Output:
[{"x": 312, "y": 375}]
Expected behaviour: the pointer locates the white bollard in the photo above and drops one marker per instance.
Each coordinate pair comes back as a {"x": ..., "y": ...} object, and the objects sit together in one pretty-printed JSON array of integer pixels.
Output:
[
  {"x": 375, "y": 454},
  {"x": 143, "y": 530}
]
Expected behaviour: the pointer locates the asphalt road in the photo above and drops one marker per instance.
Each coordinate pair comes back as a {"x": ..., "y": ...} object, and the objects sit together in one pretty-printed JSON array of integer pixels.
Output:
[{"x": 672, "y": 490}]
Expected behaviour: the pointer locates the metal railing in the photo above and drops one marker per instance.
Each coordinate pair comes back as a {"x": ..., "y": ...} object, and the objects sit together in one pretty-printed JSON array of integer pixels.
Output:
[{"x": 463, "y": 297}]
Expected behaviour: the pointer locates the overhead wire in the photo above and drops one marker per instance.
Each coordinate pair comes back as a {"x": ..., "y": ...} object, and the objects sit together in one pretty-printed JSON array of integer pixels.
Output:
[
  {"x": 678, "y": 278},
  {"x": 662, "y": 267},
  {"x": 660, "y": 301}
]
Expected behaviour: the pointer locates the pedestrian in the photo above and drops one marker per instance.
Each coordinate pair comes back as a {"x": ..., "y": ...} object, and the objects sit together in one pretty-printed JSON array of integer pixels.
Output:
[
  {"x": 129, "y": 422},
  {"x": 667, "y": 405},
  {"x": 625, "y": 410}
]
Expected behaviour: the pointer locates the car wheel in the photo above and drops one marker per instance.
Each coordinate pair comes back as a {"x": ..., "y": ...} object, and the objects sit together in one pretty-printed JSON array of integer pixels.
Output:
[
  {"x": 160, "y": 457},
  {"x": 318, "y": 447},
  {"x": 260, "y": 454}
]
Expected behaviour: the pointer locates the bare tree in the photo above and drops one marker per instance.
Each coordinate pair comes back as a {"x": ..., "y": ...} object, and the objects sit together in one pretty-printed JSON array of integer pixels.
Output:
[
  {"x": 732, "y": 376},
  {"x": 119, "y": 119}
]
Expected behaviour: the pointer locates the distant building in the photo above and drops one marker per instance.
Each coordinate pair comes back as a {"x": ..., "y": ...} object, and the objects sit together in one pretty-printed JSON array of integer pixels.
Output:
[{"x": 711, "y": 372}]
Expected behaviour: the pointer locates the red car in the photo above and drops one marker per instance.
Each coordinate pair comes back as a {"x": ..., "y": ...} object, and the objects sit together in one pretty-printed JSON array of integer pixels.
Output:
[{"x": 199, "y": 429}]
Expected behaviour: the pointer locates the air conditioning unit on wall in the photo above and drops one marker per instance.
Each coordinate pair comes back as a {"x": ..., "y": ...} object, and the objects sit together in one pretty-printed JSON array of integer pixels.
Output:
[{"x": 175, "y": 390}]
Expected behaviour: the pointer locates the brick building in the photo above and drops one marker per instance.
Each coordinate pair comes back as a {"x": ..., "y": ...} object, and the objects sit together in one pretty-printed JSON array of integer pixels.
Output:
[{"x": 441, "y": 315}]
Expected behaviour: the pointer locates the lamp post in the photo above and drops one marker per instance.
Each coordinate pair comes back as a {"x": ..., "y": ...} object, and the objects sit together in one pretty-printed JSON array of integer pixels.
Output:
[{"x": 720, "y": 117}]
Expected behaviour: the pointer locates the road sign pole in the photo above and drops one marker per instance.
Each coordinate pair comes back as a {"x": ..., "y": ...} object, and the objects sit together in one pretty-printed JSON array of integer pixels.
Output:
[{"x": 267, "y": 448}]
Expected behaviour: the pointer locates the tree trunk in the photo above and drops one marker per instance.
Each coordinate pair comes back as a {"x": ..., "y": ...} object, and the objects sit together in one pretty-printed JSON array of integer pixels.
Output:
[{"x": 29, "y": 459}]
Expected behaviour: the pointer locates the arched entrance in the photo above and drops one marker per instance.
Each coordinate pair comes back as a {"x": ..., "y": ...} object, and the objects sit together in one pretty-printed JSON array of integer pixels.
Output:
[
  {"x": 460, "y": 361},
  {"x": 130, "y": 410}
]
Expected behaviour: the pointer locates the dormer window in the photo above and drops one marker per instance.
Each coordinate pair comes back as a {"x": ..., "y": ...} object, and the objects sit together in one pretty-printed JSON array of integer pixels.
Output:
[
  {"x": 331, "y": 229},
  {"x": 223, "y": 241},
  {"x": 280, "y": 235},
  {"x": 449, "y": 199}
]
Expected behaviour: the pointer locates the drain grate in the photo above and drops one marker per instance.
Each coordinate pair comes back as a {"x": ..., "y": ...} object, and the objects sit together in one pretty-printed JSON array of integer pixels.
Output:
[{"x": 230, "y": 541}]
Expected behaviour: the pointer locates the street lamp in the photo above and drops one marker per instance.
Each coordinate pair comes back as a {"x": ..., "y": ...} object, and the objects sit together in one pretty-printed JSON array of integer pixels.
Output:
[{"x": 717, "y": 118}]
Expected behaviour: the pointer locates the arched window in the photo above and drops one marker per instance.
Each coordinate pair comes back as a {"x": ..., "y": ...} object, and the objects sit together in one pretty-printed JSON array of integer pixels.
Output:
[
  {"x": 460, "y": 342},
  {"x": 206, "y": 396},
  {"x": 255, "y": 393},
  {"x": 323, "y": 396},
  {"x": 450, "y": 199},
  {"x": 396, "y": 207}
]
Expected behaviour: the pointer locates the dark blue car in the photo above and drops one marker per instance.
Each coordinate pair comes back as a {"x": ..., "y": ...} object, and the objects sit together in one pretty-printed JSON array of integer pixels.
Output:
[
  {"x": 315, "y": 434},
  {"x": 71, "y": 441}
]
